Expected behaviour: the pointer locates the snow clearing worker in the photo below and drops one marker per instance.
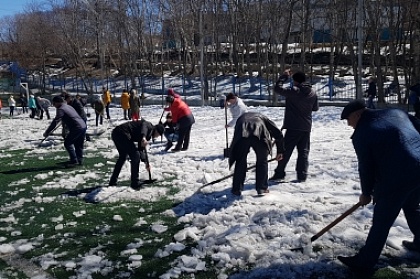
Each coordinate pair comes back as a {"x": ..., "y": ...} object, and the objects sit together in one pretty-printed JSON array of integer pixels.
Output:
[
  {"x": 77, "y": 130},
  {"x": 124, "y": 137},
  {"x": 387, "y": 145},
  {"x": 183, "y": 119},
  {"x": 257, "y": 131},
  {"x": 236, "y": 107}
]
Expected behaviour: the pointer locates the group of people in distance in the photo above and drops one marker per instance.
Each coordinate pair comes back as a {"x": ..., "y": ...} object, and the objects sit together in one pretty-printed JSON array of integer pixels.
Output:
[{"x": 386, "y": 142}]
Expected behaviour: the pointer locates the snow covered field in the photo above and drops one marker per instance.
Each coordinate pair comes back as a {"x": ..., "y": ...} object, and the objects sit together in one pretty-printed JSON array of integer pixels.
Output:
[{"x": 238, "y": 232}]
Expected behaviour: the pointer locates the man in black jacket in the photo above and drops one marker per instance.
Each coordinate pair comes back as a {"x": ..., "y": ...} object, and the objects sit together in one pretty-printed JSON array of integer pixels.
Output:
[
  {"x": 257, "y": 131},
  {"x": 124, "y": 137},
  {"x": 301, "y": 101}
]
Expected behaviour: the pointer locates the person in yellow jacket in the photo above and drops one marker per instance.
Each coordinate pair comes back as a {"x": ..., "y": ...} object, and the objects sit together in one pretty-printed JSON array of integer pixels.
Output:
[
  {"x": 106, "y": 98},
  {"x": 125, "y": 104}
]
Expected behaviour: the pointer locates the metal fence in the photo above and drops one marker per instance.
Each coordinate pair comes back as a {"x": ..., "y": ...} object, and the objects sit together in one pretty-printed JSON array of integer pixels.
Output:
[{"x": 255, "y": 90}]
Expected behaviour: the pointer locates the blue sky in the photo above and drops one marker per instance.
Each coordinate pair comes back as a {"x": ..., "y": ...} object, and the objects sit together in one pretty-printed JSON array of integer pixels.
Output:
[{"x": 11, "y": 7}]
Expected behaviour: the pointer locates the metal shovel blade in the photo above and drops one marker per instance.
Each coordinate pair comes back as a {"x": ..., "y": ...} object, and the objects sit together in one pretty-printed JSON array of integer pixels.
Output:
[
  {"x": 333, "y": 223},
  {"x": 148, "y": 181}
]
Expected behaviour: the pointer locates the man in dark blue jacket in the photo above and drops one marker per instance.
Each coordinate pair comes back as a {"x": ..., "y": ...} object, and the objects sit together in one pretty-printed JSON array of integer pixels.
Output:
[
  {"x": 301, "y": 101},
  {"x": 387, "y": 145},
  {"x": 257, "y": 131}
]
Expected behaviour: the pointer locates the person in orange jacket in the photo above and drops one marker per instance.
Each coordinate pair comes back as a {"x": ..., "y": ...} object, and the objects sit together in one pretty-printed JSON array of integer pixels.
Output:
[
  {"x": 183, "y": 120},
  {"x": 106, "y": 98},
  {"x": 125, "y": 104}
]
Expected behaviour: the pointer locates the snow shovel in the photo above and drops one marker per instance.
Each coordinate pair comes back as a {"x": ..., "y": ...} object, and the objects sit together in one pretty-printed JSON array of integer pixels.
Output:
[
  {"x": 150, "y": 180},
  {"x": 333, "y": 223},
  {"x": 56, "y": 127},
  {"x": 160, "y": 120},
  {"x": 226, "y": 177},
  {"x": 226, "y": 150}
]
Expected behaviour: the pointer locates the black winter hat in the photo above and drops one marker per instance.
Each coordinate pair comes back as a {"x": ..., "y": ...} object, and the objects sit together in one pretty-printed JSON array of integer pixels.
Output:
[
  {"x": 352, "y": 106},
  {"x": 299, "y": 77},
  {"x": 170, "y": 99},
  {"x": 159, "y": 128},
  {"x": 58, "y": 99}
]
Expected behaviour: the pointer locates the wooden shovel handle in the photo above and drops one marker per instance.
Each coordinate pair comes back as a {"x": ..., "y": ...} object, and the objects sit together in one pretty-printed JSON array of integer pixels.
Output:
[{"x": 336, "y": 221}]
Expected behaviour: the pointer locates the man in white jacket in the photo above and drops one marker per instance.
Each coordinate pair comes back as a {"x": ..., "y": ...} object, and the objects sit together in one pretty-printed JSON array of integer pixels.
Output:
[{"x": 236, "y": 107}]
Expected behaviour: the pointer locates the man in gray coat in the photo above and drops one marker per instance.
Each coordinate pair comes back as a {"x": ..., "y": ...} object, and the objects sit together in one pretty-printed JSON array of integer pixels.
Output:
[
  {"x": 77, "y": 130},
  {"x": 301, "y": 101}
]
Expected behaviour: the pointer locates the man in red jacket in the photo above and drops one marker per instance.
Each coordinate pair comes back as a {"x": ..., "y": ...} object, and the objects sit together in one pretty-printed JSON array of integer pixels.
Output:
[{"x": 183, "y": 120}]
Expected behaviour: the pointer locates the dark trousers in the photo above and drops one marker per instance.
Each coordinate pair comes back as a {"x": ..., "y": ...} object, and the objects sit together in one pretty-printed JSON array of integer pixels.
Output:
[
  {"x": 385, "y": 212},
  {"x": 183, "y": 137},
  {"x": 261, "y": 172},
  {"x": 47, "y": 113},
  {"x": 99, "y": 118},
  {"x": 12, "y": 109},
  {"x": 300, "y": 140},
  {"x": 170, "y": 135},
  {"x": 107, "y": 110},
  {"x": 33, "y": 113},
  {"x": 125, "y": 148},
  {"x": 416, "y": 108},
  {"x": 74, "y": 145},
  {"x": 370, "y": 103},
  {"x": 127, "y": 114}
]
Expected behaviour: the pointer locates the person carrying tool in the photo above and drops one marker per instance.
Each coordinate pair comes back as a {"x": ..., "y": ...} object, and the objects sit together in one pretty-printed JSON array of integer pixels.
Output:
[
  {"x": 124, "y": 137},
  {"x": 257, "y": 131},
  {"x": 73, "y": 142},
  {"x": 387, "y": 145},
  {"x": 236, "y": 107},
  {"x": 183, "y": 120}
]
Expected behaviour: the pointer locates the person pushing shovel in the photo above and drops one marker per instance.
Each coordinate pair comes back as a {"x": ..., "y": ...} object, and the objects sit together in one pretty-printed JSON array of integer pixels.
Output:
[
  {"x": 124, "y": 137},
  {"x": 387, "y": 145},
  {"x": 257, "y": 131},
  {"x": 236, "y": 107}
]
